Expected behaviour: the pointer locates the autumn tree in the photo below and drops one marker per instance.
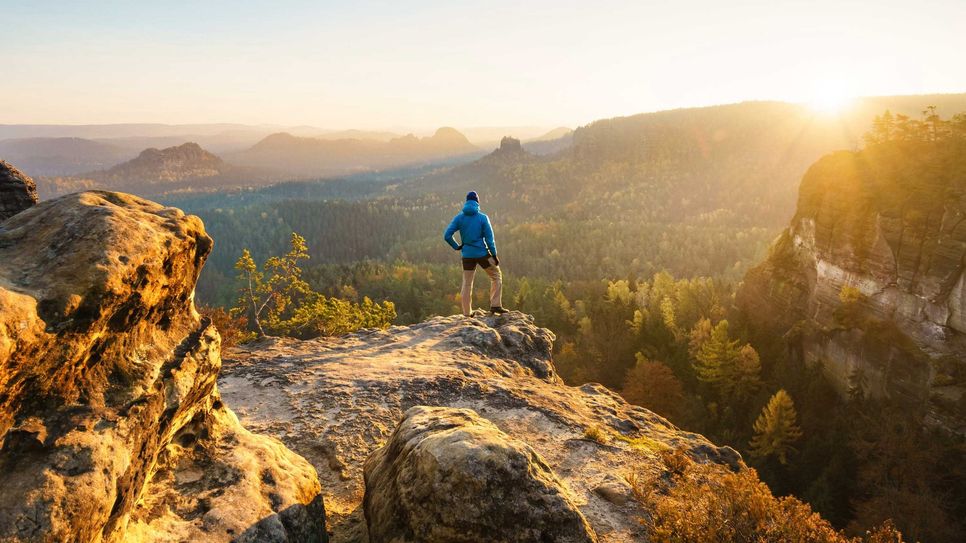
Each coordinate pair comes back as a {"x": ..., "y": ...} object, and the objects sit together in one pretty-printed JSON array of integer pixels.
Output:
[
  {"x": 746, "y": 376},
  {"x": 653, "y": 385},
  {"x": 776, "y": 429}
]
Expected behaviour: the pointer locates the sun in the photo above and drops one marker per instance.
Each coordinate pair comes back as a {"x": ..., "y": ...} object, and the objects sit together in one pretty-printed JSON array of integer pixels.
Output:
[{"x": 830, "y": 101}]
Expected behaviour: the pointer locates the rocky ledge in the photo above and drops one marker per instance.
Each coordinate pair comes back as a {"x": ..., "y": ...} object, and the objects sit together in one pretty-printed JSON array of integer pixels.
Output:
[
  {"x": 523, "y": 443},
  {"x": 111, "y": 424}
]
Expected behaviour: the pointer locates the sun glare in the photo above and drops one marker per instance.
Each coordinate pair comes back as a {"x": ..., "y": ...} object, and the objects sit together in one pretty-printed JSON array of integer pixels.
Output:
[{"x": 830, "y": 101}]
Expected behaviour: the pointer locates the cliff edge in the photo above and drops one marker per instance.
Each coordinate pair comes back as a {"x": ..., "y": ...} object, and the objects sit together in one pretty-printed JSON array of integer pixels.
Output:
[
  {"x": 338, "y": 401},
  {"x": 868, "y": 280}
]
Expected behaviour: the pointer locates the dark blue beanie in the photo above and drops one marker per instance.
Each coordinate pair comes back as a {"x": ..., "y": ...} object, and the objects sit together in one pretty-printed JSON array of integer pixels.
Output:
[{"x": 471, "y": 195}]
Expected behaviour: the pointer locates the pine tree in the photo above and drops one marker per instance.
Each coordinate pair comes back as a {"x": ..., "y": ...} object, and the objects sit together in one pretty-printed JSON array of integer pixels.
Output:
[
  {"x": 265, "y": 294},
  {"x": 700, "y": 334},
  {"x": 776, "y": 428},
  {"x": 734, "y": 372},
  {"x": 746, "y": 377},
  {"x": 717, "y": 357},
  {"x": 668, "y": 316}
]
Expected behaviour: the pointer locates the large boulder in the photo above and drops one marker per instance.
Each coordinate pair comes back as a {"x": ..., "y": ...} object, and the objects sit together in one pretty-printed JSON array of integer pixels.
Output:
[
  {"x": 447, "y": 475},
  {"x": 17, "y": 191},
  {"x": 111, "y": 424}
]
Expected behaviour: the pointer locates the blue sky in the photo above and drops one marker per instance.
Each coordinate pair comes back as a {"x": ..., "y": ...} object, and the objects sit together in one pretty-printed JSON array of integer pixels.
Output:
[{"x": 423, "y": 64}]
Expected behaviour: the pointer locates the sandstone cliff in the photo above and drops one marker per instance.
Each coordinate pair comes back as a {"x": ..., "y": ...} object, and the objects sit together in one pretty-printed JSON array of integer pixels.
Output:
[
  {"x": 868, "y": 279},
  {"x": 111, "y": 424},
  {"x": 518, "y": 432}
]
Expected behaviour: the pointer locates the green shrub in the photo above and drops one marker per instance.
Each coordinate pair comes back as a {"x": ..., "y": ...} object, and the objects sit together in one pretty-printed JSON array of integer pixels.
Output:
[{"x": 275, "y": 300}]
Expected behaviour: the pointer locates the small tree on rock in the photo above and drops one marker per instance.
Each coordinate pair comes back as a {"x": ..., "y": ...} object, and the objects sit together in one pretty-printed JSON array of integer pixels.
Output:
[
  {"x": 266, "y": 293},
  {"x": 276, "y": 300}
]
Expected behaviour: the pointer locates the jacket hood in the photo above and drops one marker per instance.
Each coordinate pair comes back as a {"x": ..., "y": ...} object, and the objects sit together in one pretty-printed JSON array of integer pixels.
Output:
[{"x": 471, "y": 207}]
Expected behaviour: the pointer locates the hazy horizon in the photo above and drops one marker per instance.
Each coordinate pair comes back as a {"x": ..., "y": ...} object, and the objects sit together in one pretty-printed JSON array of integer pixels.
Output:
[{"x": 382, "y": 66}]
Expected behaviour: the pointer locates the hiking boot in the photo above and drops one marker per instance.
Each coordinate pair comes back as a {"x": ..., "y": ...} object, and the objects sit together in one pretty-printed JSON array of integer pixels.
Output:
[{"x": 498, "y": 310}]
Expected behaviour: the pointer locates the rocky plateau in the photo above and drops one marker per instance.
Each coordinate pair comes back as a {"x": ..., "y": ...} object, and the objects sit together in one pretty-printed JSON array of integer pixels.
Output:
[{"x": 339, "y": 403}]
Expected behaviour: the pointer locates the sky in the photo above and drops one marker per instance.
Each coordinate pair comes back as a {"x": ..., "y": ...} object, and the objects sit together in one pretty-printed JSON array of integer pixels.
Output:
[{"x": 419, "y": 64}]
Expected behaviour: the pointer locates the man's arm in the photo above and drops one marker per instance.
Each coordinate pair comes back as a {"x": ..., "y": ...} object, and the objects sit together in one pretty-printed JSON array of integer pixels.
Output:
[
  {"x": 488, "y": 237},
  {"x": 450, "y": 230}
]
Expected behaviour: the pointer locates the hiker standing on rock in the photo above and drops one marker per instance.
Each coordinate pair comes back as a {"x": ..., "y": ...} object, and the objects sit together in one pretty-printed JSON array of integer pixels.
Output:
[{"x": 478, "y": 248}]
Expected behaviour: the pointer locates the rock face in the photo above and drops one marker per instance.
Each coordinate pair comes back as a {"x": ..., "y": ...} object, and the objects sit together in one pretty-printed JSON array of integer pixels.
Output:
[
  {"x": 111, "y": 424},
  {"x": 510, "y": 150},
  {"x": 869, "y": 281},
  {"x": 448, "y": 475},
  {"x": 17, "y": 191},
  {"x": 338, "y": 400},
  {"x": 510, "y": 145}
]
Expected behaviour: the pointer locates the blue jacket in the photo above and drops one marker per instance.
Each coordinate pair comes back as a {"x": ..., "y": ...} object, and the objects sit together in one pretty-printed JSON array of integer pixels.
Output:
[{"x": 475, "y": 232}]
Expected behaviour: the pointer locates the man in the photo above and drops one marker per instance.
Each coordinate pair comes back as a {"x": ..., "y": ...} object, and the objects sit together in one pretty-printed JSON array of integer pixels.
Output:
[{"x": 479, "y": 248}]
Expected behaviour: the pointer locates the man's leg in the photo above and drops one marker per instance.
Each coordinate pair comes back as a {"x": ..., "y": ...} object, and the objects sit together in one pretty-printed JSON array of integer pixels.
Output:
[
  {"x": 466, "y": 294},
  {"x": 496, "y": 285}
]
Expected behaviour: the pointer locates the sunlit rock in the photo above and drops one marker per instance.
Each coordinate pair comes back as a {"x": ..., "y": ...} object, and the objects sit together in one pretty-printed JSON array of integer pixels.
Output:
[{"x": 111, "y": 424}]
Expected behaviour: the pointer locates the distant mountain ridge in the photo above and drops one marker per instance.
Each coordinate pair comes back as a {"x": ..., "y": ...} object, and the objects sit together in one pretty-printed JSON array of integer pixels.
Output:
[
  {"x": 62, "y": 156},
  {"x": 317, "y": 157},
  {"x": 157, "y": 171}
]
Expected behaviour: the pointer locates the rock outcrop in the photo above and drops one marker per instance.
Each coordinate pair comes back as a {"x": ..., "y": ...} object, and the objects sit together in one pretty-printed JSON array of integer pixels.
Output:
[
  {"x": 111, "y": 424},
  {"x": 338, "y": 400},
  {"x": 17, "y": 191},
  {"x": 869, "y": 281},
  {"x": 448, "y": 475},
  {"x": 510, "y": 151},
  {"x": 173, "y": 164},
  {"x": 510, "y": 146}
]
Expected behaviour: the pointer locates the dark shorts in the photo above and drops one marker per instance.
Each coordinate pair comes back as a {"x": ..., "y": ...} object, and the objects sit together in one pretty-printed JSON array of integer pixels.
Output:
[{"x": 469, "y": 264}]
